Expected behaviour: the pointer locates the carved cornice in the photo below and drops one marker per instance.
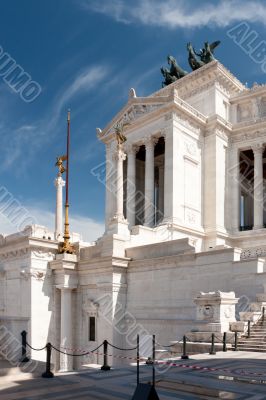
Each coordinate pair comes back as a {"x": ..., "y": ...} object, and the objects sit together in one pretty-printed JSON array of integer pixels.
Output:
[
  {"x": 187, "y": 123},
  {"x": 248, "y": 137},
  {"x": 200, "y": 78},
  {"x": 14, "y": 254}
]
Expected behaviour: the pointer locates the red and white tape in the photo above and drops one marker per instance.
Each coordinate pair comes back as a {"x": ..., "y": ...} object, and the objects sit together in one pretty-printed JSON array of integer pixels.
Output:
[{"x": 173, "y": 364}]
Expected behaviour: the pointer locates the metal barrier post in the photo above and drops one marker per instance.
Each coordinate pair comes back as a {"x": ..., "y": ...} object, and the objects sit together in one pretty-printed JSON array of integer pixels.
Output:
[
  {"x": 184, "y": 355},
  {"x": 263, "y": 314},
  {"x": 248, "y": 329},
  {"x": 224, "y": 342},
  {"x": 24, "y": 357},
  {"x": 137, "y": 359},
  {"x": 153, "y": 360},
  {"x": 105, "y": 366},
  {"x": 236, "y": 340},
  {"x": 48, "y": 373},
  {"x": 212, "y": 350}
]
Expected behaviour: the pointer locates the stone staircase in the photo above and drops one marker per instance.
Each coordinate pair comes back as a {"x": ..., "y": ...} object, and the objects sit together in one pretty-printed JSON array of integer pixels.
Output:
[{"x": 257, "y": 339}]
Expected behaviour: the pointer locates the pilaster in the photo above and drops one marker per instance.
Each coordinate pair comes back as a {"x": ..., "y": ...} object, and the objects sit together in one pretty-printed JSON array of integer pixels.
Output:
[{"x": 258, "y": 186}]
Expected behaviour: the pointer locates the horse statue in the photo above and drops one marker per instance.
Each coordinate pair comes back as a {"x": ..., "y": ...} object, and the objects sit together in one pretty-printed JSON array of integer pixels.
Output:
[
  {"x": 206, "y": 54},
  {"x": 176, "y": 72},
  {"x": 175, "y": 69},
  {"x": 192, "y": 58},
  {"x": 168, "y": 78}
]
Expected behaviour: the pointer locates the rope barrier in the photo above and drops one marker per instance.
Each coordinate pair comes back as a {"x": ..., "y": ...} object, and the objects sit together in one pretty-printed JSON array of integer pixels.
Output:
[
  {"x": 76, "y": 355},
  {"x": 119, "y": 348},
  {"x": 220, "y": 339},
  {"x": 170, "y": 345},
  {"x": 32, "y": 348},
  {"x": 80, "y": 350}
]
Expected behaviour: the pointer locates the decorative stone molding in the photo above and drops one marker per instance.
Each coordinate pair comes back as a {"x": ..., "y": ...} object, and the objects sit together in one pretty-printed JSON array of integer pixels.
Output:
[
  {"x": 253, "y": 253},
  {"x": 191, "y": 148},
  {"x": 134, "y": 112},
  {"x": 222, "y": 133},
  {"x": 216, "y": 310},
  {"x": 13, "y": 254},
  {"x": 90, "y": 307},
  {"x": 187, "y": 123},
  {"x": 132, "y": 93},
  {"x": 168, "y": 116},
  {"x": 186, "y": 106},
  {"x": 43, "y": 255},
  {"x": 241, "y": 137},
  {"x": 26, "y": 274}
]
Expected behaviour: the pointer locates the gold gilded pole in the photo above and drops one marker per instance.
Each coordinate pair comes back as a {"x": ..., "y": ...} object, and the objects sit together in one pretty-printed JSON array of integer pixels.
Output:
[{"x": 66, "y": 246}]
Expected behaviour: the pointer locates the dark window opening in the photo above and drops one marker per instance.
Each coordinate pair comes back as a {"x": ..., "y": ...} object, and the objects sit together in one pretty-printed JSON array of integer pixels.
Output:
[{"x": 92, "y": 329}]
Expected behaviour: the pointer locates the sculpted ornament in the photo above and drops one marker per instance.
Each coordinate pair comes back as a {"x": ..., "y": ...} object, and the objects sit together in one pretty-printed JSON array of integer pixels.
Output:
[
  {"x": 41, "y": 254},
  {"x": 90, "y": 307},
  {"x": 195, "y": 60},
  {"x": 191, "y": 148}
]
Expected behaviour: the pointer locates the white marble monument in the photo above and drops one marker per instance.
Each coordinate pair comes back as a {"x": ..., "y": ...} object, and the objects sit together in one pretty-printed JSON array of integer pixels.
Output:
[{"x": 184, "y": 214}]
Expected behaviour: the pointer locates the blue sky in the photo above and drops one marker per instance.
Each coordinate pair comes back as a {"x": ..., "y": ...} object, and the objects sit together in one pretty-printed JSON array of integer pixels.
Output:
[{"x": 86, "y": 55}]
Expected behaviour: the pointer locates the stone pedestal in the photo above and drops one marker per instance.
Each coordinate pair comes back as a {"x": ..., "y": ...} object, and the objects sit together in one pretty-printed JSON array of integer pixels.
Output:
[
  {"x": 216, "y": 310},
  {"x": 65, "y": 278}
]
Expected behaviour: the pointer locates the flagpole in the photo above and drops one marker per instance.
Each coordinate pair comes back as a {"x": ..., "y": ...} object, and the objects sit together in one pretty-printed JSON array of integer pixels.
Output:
[{"x": 66, "y": 246}]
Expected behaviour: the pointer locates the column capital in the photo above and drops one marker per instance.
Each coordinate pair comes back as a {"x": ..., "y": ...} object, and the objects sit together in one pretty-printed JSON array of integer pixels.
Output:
[
  {"x": 150, "y": 141},
  {"x": 119, "y": 155},
  {"x": 132, "y": 148},
  {"x": 167, "y": 131},
  {"x": 59, "y": 181},
  {"x": 258, "y": 148}
]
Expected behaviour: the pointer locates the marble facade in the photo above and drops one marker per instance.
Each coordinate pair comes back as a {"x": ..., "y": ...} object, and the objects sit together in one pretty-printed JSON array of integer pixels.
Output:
[{"x": 184, "y": 213}]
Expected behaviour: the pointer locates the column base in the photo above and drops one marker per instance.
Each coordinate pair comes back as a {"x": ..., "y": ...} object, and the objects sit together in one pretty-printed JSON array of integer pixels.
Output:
[
  {"x": 255, "y": 228},
  {"x": 118, "y": 225}
]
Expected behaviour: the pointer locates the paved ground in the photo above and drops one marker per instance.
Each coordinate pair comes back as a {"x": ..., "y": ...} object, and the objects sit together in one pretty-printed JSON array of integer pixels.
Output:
[{"x": 246, "y": 380}]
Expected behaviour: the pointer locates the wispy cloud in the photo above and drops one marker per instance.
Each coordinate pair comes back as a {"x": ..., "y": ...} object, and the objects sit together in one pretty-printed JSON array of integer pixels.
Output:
[
  {"x": 178, "y": 13},
  {"x": 37, "y": 133},
  {"x": 86, "y": 80}
]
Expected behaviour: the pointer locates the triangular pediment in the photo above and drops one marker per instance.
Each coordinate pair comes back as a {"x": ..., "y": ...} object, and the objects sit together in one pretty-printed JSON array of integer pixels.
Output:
[{"x": 136, "y": 108}]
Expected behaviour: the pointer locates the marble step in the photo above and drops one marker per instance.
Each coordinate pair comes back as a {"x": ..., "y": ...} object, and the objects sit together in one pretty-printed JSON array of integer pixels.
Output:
[
  {"x": 255, "y": 335},
  {"x": 251, "y": 342},
  {"x": 247, "y": 346},
  {"x": 252, "y": 349},
  {"x": 259, "y": 346}
]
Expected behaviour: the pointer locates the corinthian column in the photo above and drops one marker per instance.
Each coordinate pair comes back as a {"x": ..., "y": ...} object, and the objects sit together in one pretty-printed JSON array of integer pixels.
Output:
[
  {"x": 59, "y": 184},
  {"x": 149, "y": 182},
  {"x": 119, "y": 158},
  {"x": 131, "y": 184},
  {"x": 258, "y": 186}
]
